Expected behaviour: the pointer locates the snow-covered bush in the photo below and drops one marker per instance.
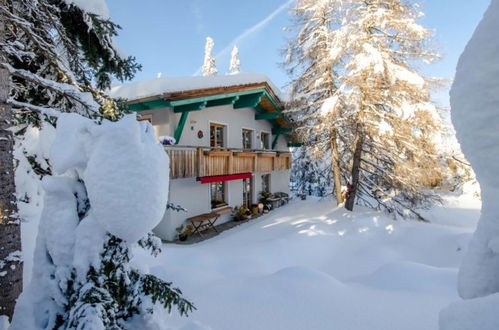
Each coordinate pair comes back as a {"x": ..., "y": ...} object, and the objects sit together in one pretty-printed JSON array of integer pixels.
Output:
[
  {"x": 109, "y": 190},
  {"x": 475, "y": 114}
]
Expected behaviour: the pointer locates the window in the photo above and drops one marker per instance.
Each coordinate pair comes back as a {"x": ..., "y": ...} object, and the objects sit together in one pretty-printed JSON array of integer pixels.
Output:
[
  {"x": 266, "y": 183},
  {"x": 217, "y": 191},
  {"x": 247, "y": 137},
  {"x": 248, "y": 192},
  {"x": 265, "y": 140},
  {"x": 217, "y": 136}
]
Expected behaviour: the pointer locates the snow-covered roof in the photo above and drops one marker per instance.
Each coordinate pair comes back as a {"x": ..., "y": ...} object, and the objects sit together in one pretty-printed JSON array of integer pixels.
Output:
[{"x": 160, "y": 86}]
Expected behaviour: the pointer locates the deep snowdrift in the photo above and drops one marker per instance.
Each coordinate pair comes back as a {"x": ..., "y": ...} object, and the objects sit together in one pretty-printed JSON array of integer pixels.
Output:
[{"x": 311, "y": 266}]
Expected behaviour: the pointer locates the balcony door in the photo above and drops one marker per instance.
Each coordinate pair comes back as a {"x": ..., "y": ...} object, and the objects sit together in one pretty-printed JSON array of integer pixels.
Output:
[
  {"x": 248, "y": 192},
  {"x": 217, "y": 135}
]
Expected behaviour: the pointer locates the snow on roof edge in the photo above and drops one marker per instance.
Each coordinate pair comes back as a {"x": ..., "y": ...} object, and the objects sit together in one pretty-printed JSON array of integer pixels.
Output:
[{"x": 159, "y": 86}]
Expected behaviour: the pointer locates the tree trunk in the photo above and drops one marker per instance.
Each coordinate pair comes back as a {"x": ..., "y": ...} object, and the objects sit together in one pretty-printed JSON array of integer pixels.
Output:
[
  {"x": 11, "y": 269},
  {"x": 335, "y": 167},
  {"x": 358, "y": 142}
]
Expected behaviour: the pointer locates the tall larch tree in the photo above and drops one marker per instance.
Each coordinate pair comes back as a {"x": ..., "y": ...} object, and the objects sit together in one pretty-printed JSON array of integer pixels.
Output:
[
  {"x": 58, "y": 57},
  {"x": 358, "y": 94},
  {"x": 209, "y": 65},
  {"x": 386, "y": 100},
  {"x": 311, "y": 62}
]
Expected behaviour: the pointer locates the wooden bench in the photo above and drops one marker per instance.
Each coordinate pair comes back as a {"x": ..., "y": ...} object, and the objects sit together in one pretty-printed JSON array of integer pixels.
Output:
[{"x": 207, "y": 220}]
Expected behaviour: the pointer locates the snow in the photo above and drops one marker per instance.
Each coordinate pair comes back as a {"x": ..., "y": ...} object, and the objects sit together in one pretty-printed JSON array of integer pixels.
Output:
[
  {"x": 125, "y": 177},
  {"x": 160, "y": 86},
  {"x": 474, "y": 107},
  {"x": 235, "y": 63},
  {"x": 309, "y": 265},
  {"x": 120, "y": 162},
  {"x": 209, "y": 65},
  {"x": 97, "y": 7},
  {"x": 474, "y": 99},
  {"x": 329, "y": 106}
]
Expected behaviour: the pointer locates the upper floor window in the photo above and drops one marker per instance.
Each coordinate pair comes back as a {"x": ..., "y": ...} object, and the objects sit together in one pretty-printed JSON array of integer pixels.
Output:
[
  {"x": 265, "y": 140},
  {"x": 217, "y": 135},
  {"x": 247, "y": 137}
]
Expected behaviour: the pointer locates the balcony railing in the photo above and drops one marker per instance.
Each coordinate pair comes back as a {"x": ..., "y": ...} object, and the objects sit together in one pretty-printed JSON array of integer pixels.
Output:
[{"x": 192, "y": 161}]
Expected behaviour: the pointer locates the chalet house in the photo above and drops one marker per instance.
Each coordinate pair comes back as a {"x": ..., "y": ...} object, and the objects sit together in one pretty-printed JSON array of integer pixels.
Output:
[{"x": 231, "y": 140}]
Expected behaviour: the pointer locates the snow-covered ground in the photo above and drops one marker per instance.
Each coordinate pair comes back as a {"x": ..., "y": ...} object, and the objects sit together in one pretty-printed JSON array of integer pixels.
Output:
[{"x": 310, "y": 265}]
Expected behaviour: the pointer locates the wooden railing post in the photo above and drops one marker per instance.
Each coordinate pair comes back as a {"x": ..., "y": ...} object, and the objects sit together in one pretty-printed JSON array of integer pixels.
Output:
[
  {"x": 199, "y": 162},
  {"x": 230, "y": 167}
]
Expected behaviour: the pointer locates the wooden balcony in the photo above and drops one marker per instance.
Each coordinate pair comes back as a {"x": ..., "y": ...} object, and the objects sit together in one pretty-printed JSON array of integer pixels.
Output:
[{"x": 189, "y": 162}]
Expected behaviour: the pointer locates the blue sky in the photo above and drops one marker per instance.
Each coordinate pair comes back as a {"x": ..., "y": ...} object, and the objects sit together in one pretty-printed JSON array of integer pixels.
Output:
[{"x": 168, "y": 36}]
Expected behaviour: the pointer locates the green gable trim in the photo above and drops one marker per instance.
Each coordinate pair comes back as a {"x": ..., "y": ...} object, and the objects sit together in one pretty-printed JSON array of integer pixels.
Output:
[
  {"x": 267, "y": 115},
  {"x": 241, "y": 99},
  {"x": 249, "y": 101},
  {"x": 281, "y": 130},
  {"x": 180, "y": 126},
  {"x": 148, "y": 105},
  {"x": 212, "y": 97},
  {"x": 274, "y": 143},
  {"x": 225, "y": 101},
  {"x": 295, "y": 144},
  {"x": 190, "y": 107}
]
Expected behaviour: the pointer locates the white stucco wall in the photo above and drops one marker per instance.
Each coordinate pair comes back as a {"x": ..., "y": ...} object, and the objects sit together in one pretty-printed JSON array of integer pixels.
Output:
[
  {"x": 193, "y": 195},
  {"x": 165, "y": 121}
]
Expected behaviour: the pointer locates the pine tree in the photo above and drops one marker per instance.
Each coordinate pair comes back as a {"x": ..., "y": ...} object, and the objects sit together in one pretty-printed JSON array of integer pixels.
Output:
[
  {"x": 234, "y": 61},
  {"x": 209, "y": 65},
  {"x": 10, "y": 230},
  {"x": 60, "y": 58}
]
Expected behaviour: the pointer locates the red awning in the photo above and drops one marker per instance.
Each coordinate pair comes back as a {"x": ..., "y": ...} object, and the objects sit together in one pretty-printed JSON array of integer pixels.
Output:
[{"x": 220, "y": 178}]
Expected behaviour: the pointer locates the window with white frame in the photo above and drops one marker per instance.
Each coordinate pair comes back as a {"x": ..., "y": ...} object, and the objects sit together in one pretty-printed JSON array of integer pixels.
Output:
[
  {"x": 264, "y": 140},
  {"x": 247, "y": 138}
]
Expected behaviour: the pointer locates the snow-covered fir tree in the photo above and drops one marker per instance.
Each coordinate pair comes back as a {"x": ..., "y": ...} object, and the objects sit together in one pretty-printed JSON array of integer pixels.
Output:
[
  {"x": 380, "y": 103},
  {"x": 209, "y": 65},
  {"x": 59, "y": 58},
  {"x": 235, "y": 64}
]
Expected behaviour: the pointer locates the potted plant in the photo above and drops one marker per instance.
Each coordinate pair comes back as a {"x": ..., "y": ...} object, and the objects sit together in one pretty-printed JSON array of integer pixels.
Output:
[
  {"x": 265, "y": 197},
  {"x": 242, "y": 213},
  {"x": 254, "y": 209},
  {"x": 184, "y": 232}
]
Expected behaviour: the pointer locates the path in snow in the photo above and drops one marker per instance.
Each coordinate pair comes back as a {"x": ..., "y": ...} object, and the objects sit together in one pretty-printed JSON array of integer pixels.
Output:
[{"x": 309, "y": 265}]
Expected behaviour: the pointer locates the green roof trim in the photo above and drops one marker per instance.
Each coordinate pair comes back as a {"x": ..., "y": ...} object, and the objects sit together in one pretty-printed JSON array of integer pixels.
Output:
[
  {"x": 249, "y": 100},
  {"x": 242, "y": 99},
  {"x": 225, "y": 101},
  {"x": 267, "y": 115},
  {"x": 280, "y": 130},
  {"x": 274, "y": 143},
  {"x": 180, "y": 126},
  {"x": 148, "y": 105},
  {"x": 190, "y": 107}
]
